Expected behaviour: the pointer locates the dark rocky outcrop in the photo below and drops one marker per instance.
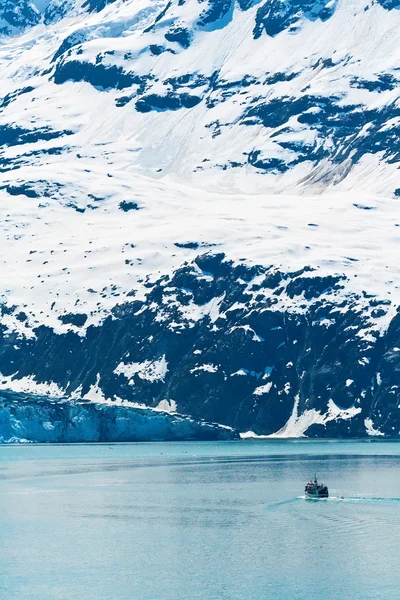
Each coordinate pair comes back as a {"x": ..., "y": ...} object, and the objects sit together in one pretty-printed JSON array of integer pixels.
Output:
[{"x": 235, "y": 345}]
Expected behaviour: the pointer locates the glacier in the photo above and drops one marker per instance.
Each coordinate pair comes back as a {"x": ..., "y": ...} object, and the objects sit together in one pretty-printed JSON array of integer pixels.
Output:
[
  {"x": 199, "y": 205},
  {"x": 42, "y": 419}
]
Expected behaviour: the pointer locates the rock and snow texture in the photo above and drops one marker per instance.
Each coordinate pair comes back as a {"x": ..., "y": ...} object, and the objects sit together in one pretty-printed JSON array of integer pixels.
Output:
[
  {"x": 275, "y": 356},
  {"x": 199, "y": 208}
]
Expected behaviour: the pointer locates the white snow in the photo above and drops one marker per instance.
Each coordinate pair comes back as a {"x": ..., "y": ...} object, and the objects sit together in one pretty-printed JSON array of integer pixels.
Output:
[
  {"x": 92, "y": 247},
  {"x": 247, "y": 435},
  {"x": 240, "y": 372},
  {"x": 28, "y": 385},
  {"x": 263, "y": 389},
  {"x": 168, "y": 406},
  {"x": 95, "y": 393},
  {"x": 209, "y": 368},
  {"x": 297, "y": 425},
  {"x": 194, "y": 312},
  {"x": 148, "y": 370},
  {"x": 261, "y": 217},
  {"x": 267, "y": 372},
  {"x": 370, "y": 429},
  {"x": 364, "y": 361},
  {"x": 247, "y": 328}
]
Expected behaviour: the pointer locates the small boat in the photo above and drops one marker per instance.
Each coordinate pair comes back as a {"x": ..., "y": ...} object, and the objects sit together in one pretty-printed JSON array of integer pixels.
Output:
[{"x": 314, "y": 489}]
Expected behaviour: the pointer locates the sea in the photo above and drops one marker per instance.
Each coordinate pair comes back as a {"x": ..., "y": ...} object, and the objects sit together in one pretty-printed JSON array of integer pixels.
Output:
[{"x": 200, "y": 521}]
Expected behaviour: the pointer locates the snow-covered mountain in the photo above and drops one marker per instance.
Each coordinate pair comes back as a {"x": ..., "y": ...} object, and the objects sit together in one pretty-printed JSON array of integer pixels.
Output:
[{"x": 200, "y": 208}]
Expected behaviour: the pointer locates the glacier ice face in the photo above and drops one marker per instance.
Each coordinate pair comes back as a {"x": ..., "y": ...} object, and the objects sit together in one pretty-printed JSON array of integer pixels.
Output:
[{"x": 31, "y": 418}]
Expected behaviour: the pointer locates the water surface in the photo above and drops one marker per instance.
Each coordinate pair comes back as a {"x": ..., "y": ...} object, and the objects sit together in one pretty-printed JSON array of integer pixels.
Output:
[{"x": 199, "y": 521}]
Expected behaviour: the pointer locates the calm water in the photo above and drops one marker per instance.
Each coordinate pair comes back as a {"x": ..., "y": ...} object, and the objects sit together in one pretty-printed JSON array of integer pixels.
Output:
[{"x": 209, "y": 521}]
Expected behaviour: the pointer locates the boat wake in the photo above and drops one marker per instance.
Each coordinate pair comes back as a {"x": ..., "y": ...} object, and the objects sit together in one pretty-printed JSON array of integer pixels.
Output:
[
  {"x": 362, "y": 499},
  {"x": 273, "y": 505},
  {"x": 348, "y": 499}
]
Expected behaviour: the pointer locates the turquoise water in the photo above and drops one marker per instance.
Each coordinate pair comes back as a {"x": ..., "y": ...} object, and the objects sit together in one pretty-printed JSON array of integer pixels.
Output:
[{"x": 207, "y": 521}]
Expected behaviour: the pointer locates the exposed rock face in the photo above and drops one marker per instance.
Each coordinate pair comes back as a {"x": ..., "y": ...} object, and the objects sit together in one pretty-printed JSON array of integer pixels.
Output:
[
  {"x": 17, "y": 15},
  {"x": 240, "y": 346}
]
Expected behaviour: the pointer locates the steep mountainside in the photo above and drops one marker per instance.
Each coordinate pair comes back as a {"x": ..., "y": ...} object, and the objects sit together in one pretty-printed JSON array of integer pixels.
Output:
[{"x": 199, "y": 205}]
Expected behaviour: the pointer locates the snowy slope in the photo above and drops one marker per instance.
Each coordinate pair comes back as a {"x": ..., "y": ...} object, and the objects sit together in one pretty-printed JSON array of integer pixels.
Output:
[{"x": 139, "y": 139}]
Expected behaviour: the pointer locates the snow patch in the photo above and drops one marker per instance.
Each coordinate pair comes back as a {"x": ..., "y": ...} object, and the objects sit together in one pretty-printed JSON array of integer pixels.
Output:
[
  {"x": 240, "y": 372},
  {"x": 29, "y": 385},
  {"x": 209, "y": 368},
  {"x": 168, "y": 406},
  {"x": 263, "y": 389},
  {"x": 95, "y": 393},
  {"x": 148, "y": 370},
  {"x": 370, "y": 429},
  {"x": 297, "y": 425}
]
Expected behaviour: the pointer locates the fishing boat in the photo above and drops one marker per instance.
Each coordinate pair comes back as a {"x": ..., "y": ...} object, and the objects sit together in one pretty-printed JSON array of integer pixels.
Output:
[{"x": 316, "y": 490}]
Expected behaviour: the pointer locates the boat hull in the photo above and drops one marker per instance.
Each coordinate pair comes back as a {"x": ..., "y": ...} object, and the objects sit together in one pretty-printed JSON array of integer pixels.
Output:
[{"x": 316, "y": 496}]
